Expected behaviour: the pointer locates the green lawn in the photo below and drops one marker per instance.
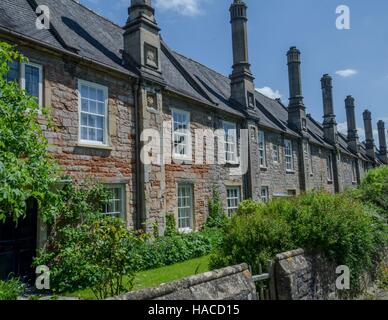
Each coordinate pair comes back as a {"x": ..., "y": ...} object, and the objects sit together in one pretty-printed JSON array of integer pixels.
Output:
[{"x": 155, "y": 277}]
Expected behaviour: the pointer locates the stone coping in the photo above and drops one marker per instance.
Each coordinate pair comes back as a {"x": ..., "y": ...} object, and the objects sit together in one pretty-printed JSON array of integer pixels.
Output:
[{"x": 168, "y": 288}]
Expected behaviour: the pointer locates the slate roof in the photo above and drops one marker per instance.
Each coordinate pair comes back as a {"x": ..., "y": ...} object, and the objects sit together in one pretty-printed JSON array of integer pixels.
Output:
[{"x": 79, "y": 29}]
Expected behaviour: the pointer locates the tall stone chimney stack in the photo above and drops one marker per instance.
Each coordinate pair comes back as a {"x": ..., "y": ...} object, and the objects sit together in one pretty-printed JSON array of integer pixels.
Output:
[
  {"x": 329, "y": 122},
  {"x": 383, "y": 141},
  {"x": 296, "y": 108},
  {"x": 370, "y": 144},
  {"x": 353, "y": 139},
  {"x": 141, "y": 37},
  {"x": 242, "y": 86}
]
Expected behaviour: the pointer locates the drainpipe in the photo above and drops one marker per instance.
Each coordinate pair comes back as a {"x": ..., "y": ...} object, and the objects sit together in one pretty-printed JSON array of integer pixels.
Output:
[{"x": 136, "y": 88}]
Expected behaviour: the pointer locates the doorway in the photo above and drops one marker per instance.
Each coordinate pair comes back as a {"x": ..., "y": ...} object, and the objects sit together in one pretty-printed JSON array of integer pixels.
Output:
[{"x": 18, "y": 245}]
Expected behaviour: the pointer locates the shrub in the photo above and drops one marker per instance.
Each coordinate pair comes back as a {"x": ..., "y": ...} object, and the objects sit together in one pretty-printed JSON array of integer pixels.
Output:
[
  {"x": 10, "y": 290},
  {"x": 337, "y": 225},
  {"x": 340, "y": 227},
  {"x": 176, "y": 248},
  {"x": 256, "y": 233},
  {"x": 216, "y": 218},
  {"x": 97, "y": 255},
  {"x": 86, "y": 249},
  {"x": 374, "y": 190}
]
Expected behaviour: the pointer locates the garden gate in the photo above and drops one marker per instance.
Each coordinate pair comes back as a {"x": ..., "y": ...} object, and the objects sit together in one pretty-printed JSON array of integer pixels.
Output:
[{"x": 265, "y": 283}]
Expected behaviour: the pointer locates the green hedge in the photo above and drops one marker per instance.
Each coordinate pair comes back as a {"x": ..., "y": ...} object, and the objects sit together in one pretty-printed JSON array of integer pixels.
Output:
[
  {"x": 338, "y": 225},
  {"x": 374, "y": 190}
]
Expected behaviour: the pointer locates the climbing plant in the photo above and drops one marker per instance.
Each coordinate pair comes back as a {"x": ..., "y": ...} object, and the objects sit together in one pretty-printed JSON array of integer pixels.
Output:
[{"x": 26, "y": 169}]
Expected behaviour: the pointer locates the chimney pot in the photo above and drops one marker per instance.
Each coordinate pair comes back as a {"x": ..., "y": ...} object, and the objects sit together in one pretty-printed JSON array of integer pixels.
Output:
[
  {"x": 329, "y": 123},
  {"x": 353, "y": 140},
  {"x": 370, "y": 146},
  {"x": 383, "y": 141}
]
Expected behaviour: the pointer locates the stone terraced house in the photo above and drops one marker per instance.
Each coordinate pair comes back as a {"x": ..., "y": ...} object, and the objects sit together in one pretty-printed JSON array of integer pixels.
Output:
[{"x": 115, "y": 91}]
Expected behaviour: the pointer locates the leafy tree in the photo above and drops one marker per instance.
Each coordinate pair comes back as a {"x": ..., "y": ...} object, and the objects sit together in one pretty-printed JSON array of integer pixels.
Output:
[{"x": 26, "y": 169}]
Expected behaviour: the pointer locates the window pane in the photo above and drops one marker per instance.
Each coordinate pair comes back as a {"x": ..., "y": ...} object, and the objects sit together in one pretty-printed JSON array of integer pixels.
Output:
[
  {"x": 84, "y": 91},
  {"x": 181, "y": 133},
  {"x": 233, "y": 200},
  {"x": 32, "y": 79},
  {"x": 13, "y": 73},
  {"x": 230, "y": 132},
  {"x": 93, "y": 114},
  {"x": 92, "y": 93},
  {"x": 185, "y": 207},
  {"x": 115, "y": 205},
  {"x": 85, "y": 105}
]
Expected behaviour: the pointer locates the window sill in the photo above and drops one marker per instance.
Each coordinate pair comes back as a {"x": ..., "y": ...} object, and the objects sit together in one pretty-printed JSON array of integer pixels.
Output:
[
  {"x": 232, "y": 164},
  {"x": 185, "y": 231},
  {"x": 182, "y": 160},
  {"x": 94, "y": 146}
]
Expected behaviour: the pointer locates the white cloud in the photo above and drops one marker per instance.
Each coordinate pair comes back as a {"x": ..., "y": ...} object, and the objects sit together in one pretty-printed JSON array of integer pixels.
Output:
[
  {"x": 184, "y": 7},
  {"x": 269, "y": 92},
  {"x": 346, "y": 73}
]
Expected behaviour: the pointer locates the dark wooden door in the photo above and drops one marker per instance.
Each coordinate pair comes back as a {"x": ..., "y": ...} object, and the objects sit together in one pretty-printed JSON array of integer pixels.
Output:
[{"x": 18, "y": 245}]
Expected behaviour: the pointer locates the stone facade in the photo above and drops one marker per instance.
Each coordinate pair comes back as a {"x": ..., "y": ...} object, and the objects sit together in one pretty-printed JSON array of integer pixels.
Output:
[
  {"x": 112, "y": 164},
  {"x": 146, "y": 82}
]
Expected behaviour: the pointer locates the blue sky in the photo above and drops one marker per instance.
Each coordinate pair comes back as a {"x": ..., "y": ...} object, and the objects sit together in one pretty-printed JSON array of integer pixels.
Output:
[{"x": 200, "y": 29}]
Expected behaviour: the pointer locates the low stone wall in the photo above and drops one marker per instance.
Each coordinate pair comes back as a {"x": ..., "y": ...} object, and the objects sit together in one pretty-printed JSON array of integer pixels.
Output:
[
  {"x": 232, "y": 283},
  {"x": 302, "y": 276}
]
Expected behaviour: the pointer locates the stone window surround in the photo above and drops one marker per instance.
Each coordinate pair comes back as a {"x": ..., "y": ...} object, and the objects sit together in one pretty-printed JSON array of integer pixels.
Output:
[
  {"x": 329, "y": 164},
  {"x": 122, "y": 199},
  {"x": 229, "y": 198},
  {"x": 234, "y": 143},
  {"x": 307, "y": 150},
  {"x": 188, "y": 155},
  {"x": 354, "y": 171},
  {"x": 190, "y": 207},
  {"x": 264, "y": 196},
  {"x": 262, "y": 149},
  {"x": 23, "y": 79},
  {"x": 87, "y": 143},
  {"x": 275, "y": 153},
  {"x": 289, "y": 155}
]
